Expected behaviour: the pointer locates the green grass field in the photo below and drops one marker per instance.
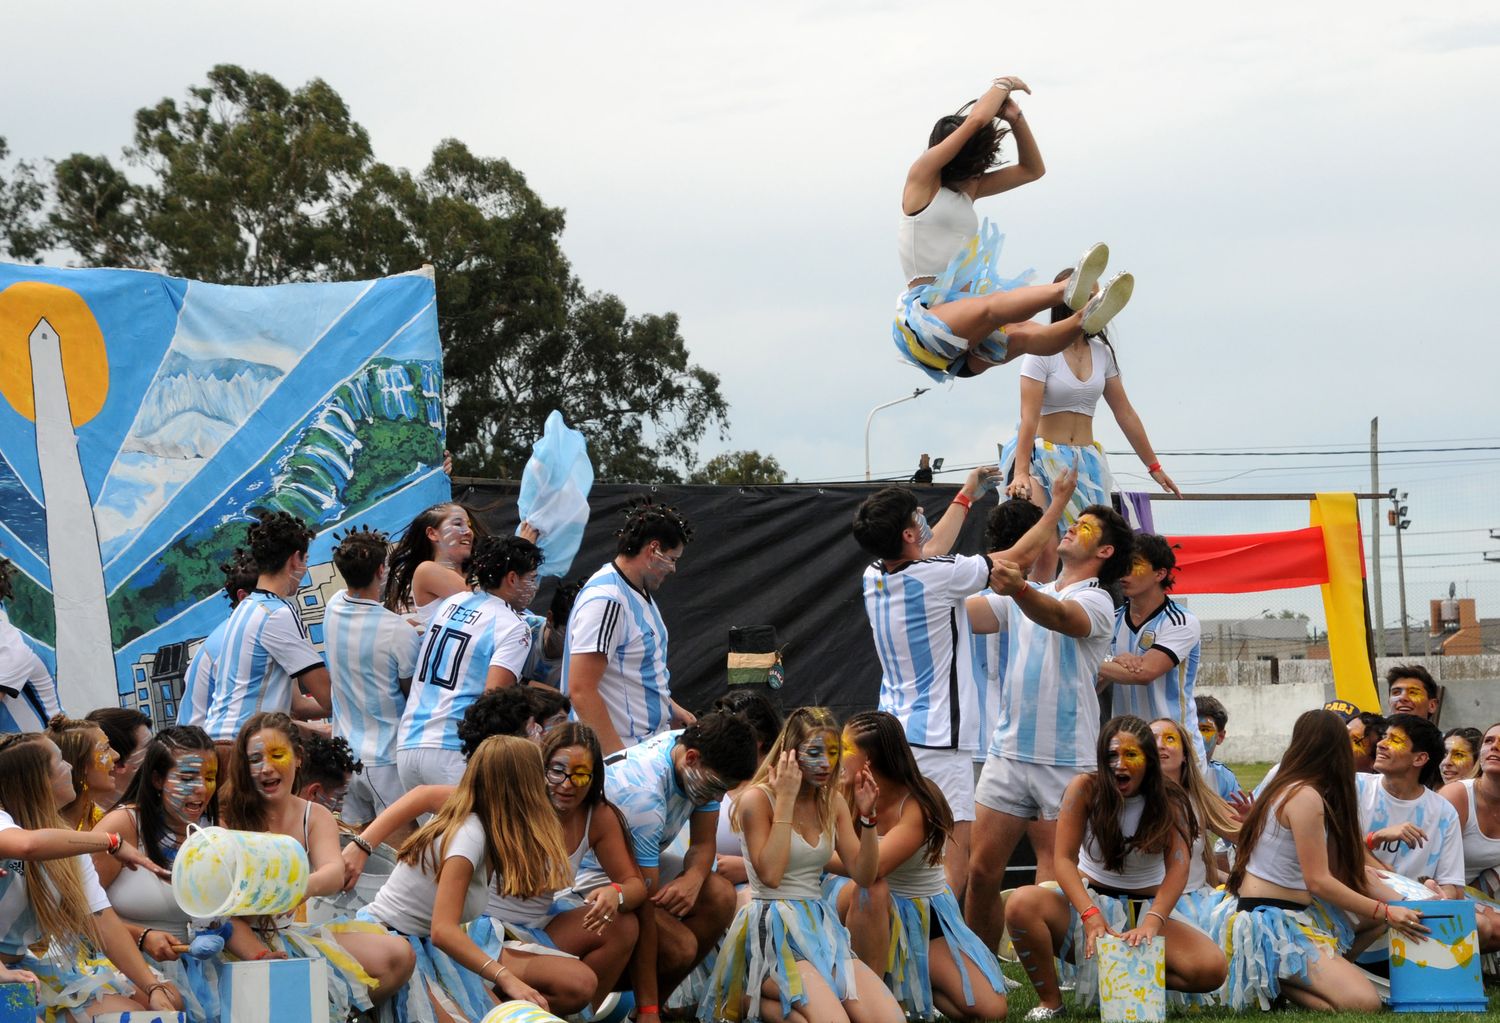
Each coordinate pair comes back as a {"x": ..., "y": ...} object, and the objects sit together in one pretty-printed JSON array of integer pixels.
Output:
[{"x": 1249, "y": 774}]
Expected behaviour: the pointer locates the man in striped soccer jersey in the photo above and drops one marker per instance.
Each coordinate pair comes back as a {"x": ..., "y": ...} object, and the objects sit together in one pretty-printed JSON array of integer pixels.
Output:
[
  {"x": 372, "y": 655},
  {"x": 1153, "y": 661},
  {"x": 28, "y": 696},
  {"x": 477, "y": 642},
  {"x": 266, "y": 654},
  {"x": 915, "y": 597},
  {"x": 1049, "y": 709},
  {"x": 240, "y": 575},
  {"x": 615, "y": 655}
]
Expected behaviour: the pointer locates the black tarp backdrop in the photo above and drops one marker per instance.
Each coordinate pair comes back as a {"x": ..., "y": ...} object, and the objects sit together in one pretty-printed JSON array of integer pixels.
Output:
[{"x": 771, "y": 555}]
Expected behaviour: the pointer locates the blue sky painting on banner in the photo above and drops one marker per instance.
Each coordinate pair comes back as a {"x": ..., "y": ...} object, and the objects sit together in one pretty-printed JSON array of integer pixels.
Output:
[{"x": 145, "y": 419}]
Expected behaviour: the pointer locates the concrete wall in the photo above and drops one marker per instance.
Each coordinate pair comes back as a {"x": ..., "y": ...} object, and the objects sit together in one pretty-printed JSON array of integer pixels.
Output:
[{"x": 1261, "y": 714}]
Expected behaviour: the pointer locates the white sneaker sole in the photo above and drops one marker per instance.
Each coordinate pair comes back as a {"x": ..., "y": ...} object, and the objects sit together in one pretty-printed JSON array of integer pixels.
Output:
[
  {"x": 1108, "y": 303},
  {"x": 1086, "y": 273}
]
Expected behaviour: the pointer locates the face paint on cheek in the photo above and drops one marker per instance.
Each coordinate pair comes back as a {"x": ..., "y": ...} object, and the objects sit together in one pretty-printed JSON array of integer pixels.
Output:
[
  {"x": 104, "y": 755},
  {"x": 1396, "y": 742},
  {"x": 817, "y": 756},
  {"x": 1459, "y": 758},
  {"x": 1138, "y": 566},
  {"x": 1086, "y": 531}
]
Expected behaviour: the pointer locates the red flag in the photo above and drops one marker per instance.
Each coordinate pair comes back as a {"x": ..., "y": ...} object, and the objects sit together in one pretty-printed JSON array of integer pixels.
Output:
[{"x": 1250, "y": 562}]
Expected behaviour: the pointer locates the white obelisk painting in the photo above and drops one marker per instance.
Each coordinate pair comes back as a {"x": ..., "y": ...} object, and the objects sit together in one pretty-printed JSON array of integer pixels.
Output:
[{"x": 85, "y": 655}]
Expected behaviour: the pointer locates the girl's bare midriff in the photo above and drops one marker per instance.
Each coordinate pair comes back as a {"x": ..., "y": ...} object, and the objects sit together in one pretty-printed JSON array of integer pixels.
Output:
[{"x": 1066, "y": 428}]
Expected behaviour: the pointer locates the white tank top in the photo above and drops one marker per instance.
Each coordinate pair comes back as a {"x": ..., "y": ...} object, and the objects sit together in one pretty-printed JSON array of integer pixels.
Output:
[
  {"x": 1140, "y": 871},
  {"x": 1062, "y": 391},
  {"x": 928, "y": 241},
  {"x": 1274, "y": 857},
  {"x": 803, "y": 876},
  {"x": 726, "y": 839},
  {"x": 1197, "y": 870},
  {"x": 1481, "y": 852},
  {"x": 916, "y": 878}
]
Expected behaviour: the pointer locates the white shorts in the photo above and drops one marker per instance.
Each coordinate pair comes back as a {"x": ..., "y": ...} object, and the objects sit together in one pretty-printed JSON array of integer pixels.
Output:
[
  {"x": 952, "y": 771},
  {"x": 1027, "y": 791},
  {"x": 429, "y": 767},
  {"x": 371, "y": 792}
]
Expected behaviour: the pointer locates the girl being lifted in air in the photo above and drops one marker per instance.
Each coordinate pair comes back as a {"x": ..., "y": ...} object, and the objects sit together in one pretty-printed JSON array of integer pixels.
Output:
[{"x": 957, "y": 316}]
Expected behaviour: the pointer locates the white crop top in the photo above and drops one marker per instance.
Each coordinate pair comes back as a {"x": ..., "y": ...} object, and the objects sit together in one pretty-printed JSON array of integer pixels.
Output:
[
  {"x": 1481, "y": 852},
  {"x": 803, "y": 876},
  {"x": 1062, "y": 391},
  {"x": 1274, "y": 857},
  {"x": 928, "y": 241},
  {"x": 1140, "y": 870}
]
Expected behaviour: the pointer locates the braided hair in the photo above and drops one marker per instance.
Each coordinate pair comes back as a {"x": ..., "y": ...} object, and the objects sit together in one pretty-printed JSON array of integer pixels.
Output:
[
  {"x": 495, "y": 557},
  {"x": 359, "y": 555},
  {"x": 275, "y": 537}
]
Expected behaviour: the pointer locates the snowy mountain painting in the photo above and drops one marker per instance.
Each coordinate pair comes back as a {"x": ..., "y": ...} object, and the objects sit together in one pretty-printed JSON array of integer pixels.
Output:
[{"x": 322, "y": 400}]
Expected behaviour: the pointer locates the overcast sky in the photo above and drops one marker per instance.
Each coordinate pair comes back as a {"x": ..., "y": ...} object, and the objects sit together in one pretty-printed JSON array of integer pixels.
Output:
[{"x": 1304, "y": 191}]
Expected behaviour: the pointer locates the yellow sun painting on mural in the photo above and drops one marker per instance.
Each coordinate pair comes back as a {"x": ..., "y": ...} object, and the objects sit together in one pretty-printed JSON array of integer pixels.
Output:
[{"x": 29, "y": 306}]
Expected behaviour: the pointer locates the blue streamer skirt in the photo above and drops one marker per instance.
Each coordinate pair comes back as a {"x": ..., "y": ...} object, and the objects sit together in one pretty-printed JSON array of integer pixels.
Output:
[
  {"x": 919, "y": 332},
  {"x": 1267, "y": 944},
  {"x": 71, "y": 981},
  {"x": 907, "y": 972},
  {"x": 462, "y": 993},
  {"x": 1200, "y": 908},
  {"x": 1049, "y": 461},
  {"x": 764, "y": 942}
]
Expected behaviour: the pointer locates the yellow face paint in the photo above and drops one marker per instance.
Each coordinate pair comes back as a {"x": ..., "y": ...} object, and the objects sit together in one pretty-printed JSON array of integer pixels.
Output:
[
  {"x": 1459, "y": 757},
  {"x": 1396, "y": 741},
  {"x": 105, "y": 757},
  {"x": 1140, "y": 567},
  {"x": 1169, "y": 738},
  {"x": 1086, "y": 531},
  {"x": 847, "y": 748}
]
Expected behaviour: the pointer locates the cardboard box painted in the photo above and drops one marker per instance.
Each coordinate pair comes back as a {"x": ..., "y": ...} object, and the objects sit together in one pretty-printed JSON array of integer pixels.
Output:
[
  {"x": 1439, "y": 973},
  {"x": 141, "y": 1016},
  {"x": 282, "y": 990},
  {"x": 1132, "y": 981},
  {"x": 17, "y": 1003}
]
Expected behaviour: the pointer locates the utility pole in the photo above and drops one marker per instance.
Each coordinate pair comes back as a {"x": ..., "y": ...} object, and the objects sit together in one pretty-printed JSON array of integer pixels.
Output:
[
  {"x": 1397, "y": 517},
  {"x": 1375, "y": 534},
  {"x": 871, "y": 417}
]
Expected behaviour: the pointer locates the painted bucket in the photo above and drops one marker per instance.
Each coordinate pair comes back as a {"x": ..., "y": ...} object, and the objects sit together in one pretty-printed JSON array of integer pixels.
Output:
[
  {"x": 1132, "y": 981},
  {"x": 1438, "y": 973},
  {"x": 219, "y": 872},
  {"x": 17, "y": 1003},
  {"x": 519, "y": 1012}
]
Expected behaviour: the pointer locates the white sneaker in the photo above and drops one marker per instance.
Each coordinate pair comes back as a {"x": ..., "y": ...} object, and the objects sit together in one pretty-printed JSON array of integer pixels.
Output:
[
  {"x": 1086, "y": 273},
  {"x": 1041, "y": 1013},
  {"x": 1108, "y": 303}
]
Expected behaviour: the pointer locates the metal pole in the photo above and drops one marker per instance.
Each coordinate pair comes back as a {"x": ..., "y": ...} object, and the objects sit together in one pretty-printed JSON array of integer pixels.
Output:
[
  {"x": 1375, "y": 534},
  {"x": 914, "y": 394},
  {"x": 1401, "y": 579}
]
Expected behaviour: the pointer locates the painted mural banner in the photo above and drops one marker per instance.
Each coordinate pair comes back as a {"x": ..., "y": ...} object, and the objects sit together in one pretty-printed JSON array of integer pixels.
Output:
[{"x": 145, "y": 420}]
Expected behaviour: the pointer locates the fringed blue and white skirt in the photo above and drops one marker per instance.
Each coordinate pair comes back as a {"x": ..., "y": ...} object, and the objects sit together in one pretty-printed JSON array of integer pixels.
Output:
[
  {"x": 461, "y": 992},
  {"x": 72, "y": 980},
  {"x": 349, "y": 986},
  {"x": 1049, "y": 461},
  {"x": 907, "y": 972},
  {"x": 1268, "y": 943},
  {"x": 919, "y": 331},
  {"x": 765, "y": 941},
  {"x": 1120, "y": 914},
  {"x": 1201, "y": 909}
]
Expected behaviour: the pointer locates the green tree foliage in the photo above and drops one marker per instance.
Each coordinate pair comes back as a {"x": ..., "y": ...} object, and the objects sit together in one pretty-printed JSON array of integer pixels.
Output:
[
  {"x": 23, "y": 197},
  {"x": 742, "y": 468},
  {"x": 249, "y": 182}
]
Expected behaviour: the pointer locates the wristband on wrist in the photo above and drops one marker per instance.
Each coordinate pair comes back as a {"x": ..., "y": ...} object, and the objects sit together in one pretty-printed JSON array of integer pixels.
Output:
[
  {"x": 1152, "y": 912},
  {"x": 1153, "y": 467},
  {"x": 649, "y": 1010},
  {"x": 866, "y": 822},
  {"x": 114, "y": 842},
  {"x": 364, "y": 846},
  {"x": 963, "y": 500},
  {"x": 140, "y": 942},
  {"x": 1091, "y": 911},
  {"x": 1370, "y": 840},
  {"x": 619, "y": 893}
]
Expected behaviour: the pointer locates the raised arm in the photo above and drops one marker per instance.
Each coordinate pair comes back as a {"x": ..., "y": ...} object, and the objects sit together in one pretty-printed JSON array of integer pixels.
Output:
[
  {"x": 1135, "y": 433},
  {"x": 1068, "y": 617},
  {"x": 1026, "y": 549},
  {"x": 404, "y": 811},
  {"x": 945, "y": 531},
  {"x": 859, "y": 847},
  {"x": 1028, "y": 166},
  {"x": 766, "y": 820},
  {"x": 925, "y": 176}
]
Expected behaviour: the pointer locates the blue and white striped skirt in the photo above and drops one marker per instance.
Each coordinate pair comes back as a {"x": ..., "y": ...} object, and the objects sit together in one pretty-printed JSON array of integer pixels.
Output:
[
  {"x": 919, "y": 331},
  {"x": 1266, "y": 944},
  {"x": 1049, "y": 461},
  {"x": 765, "y": 941}
]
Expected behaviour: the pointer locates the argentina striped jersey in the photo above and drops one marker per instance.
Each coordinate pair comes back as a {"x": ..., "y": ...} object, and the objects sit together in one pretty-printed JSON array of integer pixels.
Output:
[
  {"x": 613, "y": 618},
  {"x": 369, "y": 651},
  {"x": 198, "y": 682},
  {"x": 922, "y": 638},
  {"x": 1049, "y": 707},
  {"x": 1175, "y": 631},
  {"x": 988, "y": 654},
  {"x": 470, "y": 633},
  {"x": 265, "y": 648}
]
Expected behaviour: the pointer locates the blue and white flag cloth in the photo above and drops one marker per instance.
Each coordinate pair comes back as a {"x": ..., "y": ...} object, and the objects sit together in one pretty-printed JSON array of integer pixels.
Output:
[{"x": 555, "y": 493}]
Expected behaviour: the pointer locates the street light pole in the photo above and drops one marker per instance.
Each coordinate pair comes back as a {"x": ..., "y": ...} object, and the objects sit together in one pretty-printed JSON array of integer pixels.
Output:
[
  {"x": 1401, "y": 522},
  {"x": 914, "y": 394}
]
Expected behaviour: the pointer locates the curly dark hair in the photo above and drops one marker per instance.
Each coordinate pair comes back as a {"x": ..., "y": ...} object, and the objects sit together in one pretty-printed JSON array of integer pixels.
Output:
[
  {"x": 1008, "y": 522},
  {"x": 1158, "y": 554},
  {"x": 978, "y": 155},
  {"x": 275, "y": 537},
  {"x": 881, "y": 519},
  {"x": 359, "y": 555},
  {"x": 497, "y": 712},
  {"x": 755, "y": 707},
  {"x": 1117, "y": 534},
  {"x": 726, "y": 742},
  {"x": 328, "y": 760},
  {"x": 563, "y": 599},
  {"x": 495, "y": 557},
  {"x": 240, "y": 573},
  {"x": 647, "y": 520}
]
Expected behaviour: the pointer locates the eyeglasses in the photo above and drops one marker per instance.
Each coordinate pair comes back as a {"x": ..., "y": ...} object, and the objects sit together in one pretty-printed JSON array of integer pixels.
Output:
[
  {"x": 579, "y": 776},
  {"x": 668, "y": 558}
]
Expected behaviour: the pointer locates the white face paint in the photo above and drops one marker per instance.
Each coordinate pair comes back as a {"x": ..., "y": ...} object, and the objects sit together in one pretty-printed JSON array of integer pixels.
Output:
[{"x": 924, "y": 531}]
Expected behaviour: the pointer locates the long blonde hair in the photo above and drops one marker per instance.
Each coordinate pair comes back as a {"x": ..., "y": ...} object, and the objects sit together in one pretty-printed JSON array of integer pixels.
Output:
[
  {"x": 76, "y": 739},
  {"x": 54, "y": 888},
  {"x": 801, "y": 725},
  {"x": 1212, "y": 812},
  {"x": 504, "y": 787}
]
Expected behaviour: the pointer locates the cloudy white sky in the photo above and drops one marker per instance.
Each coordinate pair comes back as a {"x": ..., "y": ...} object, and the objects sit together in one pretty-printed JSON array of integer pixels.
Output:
[{"x": 1304, "y": 192}]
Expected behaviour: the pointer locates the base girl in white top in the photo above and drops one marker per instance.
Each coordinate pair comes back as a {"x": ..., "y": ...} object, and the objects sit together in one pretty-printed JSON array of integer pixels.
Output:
[
  {"x": 1059, "y": 395},
  {"x": 430, "y": 562},
  {"x": 50, "y": 894},
  {"x": 1299, "y": 870},
  {"x": 496, "y": 834},
  {"x": 958, "y": 316},
  {"x": 935, "y": 962},
  {"x": 1121, "y": 860},
  {"x": 366, "y": 966},
  {"x": 1477, "y": 801},
  {"x": 786, "y": 957}
]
